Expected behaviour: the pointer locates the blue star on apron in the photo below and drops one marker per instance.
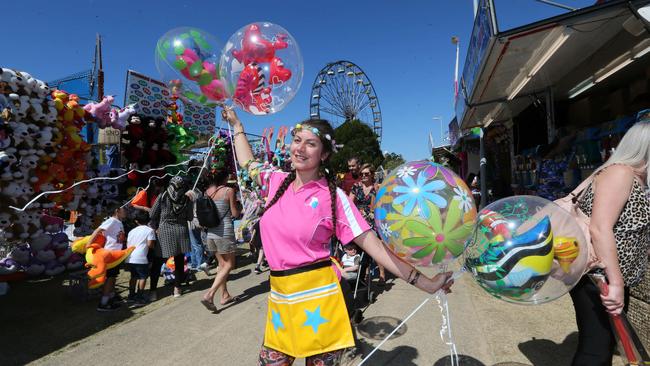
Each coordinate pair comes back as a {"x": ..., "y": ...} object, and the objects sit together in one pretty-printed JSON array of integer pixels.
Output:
[
  {"x": 314, "y": 319},
  {"x": 276, "y": 321}
]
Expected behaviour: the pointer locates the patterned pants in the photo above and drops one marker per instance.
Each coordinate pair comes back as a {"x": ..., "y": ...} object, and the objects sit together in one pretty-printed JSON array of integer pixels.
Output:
[{"x": 270, "y": 357}]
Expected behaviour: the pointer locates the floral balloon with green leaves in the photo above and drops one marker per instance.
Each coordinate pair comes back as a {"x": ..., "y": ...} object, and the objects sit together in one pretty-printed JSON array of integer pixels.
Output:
[{"x": 424, "y": 213}]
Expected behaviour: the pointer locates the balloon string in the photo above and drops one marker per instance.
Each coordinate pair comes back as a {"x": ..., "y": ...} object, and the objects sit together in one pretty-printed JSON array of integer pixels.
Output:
[
  {"x": 205, "y": 162},
  {"x": 445, "y": 327},
  {"x": 394, "y": 330},
  {"x": 93, "y": 180},
  {"x": 157, "y": 177},
  {"x": 234, "y": 156}
]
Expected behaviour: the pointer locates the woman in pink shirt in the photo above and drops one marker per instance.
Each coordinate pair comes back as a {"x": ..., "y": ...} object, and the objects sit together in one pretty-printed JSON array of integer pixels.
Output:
[{"x": 307, "y": 316}]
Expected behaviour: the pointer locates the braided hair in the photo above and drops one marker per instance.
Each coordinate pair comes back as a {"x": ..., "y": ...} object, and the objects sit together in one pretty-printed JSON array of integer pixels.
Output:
[{"x": 325, "y": 169}]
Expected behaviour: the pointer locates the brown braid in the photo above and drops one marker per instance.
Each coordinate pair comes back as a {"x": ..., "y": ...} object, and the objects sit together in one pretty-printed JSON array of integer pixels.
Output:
[
  {"x": 331, "y": 184},
  {"x": 283, "y": 188}
]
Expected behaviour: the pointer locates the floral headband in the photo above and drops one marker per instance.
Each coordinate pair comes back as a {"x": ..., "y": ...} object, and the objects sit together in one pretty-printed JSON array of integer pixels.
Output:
[{"x": 316, "y": 132}]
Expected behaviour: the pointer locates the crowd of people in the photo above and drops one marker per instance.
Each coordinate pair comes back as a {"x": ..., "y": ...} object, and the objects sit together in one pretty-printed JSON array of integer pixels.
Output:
[{"x": 303, "y": 277}]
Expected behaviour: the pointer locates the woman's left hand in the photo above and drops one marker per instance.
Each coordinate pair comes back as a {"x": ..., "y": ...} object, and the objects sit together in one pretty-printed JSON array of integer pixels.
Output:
[
  {"x": 614, "y": 300},
  {"x": 441, "y": 281}
]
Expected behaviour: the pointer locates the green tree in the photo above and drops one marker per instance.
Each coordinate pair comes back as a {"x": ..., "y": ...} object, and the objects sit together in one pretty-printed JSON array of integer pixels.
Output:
[
  {"x": 392, "y": 161},
  {"x": 358, "y": 139}
]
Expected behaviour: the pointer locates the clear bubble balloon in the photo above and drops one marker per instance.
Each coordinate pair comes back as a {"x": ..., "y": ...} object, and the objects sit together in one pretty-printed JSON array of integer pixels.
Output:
[
  {"x": 526, "y": 250},
  {"x": 262, "y": 68},
  {"x": 424, "y": 213},
  {"x": 187, "y": 59}
]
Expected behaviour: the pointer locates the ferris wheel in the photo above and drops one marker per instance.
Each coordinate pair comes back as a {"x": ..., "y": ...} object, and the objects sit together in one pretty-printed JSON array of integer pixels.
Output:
[{"x": 342, "y": 92}]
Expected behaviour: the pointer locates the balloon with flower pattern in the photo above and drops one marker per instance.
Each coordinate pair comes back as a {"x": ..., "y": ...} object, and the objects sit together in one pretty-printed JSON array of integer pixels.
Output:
[{"x": 424, "y": 212}]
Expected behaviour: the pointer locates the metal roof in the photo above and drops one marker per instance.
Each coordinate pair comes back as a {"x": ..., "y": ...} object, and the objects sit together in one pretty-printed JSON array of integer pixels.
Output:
[{"x": 565, "y": 53}]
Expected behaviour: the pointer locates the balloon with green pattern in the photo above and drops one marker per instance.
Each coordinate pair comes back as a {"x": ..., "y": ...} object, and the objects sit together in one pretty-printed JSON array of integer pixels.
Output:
[{"x": 187, "y": 59}]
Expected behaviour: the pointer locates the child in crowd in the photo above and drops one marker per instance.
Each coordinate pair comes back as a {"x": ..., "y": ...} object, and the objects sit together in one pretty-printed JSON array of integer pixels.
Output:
[
  {"x": 113, "y": 230},
  {"x": 350, "y": 262},
  {"x": 142, "y": 238}
]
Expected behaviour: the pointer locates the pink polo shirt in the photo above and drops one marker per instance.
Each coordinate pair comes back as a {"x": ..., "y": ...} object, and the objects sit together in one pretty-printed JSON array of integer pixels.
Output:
[{"x": 297, "y": 228}]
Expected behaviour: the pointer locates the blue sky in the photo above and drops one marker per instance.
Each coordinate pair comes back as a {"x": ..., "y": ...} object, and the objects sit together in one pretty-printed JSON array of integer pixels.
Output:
[{"x": 403, "y": 46}]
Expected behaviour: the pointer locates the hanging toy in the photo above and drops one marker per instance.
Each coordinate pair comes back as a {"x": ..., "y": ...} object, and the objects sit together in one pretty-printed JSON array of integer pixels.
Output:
[
  {"x": 255, "y": 48},
  {"x": 251, "y": 92}
]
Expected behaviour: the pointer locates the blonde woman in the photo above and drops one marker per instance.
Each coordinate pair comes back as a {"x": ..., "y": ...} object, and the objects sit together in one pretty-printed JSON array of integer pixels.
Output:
[{"x": 618, "y": 206}]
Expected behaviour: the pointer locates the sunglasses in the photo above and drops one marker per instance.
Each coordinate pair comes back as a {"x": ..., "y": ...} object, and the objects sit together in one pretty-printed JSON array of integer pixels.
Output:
[{"x": 366, "y": 174}]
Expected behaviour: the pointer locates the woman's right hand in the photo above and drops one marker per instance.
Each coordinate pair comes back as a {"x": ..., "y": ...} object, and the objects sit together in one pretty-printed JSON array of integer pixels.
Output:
[
  {"x": 228, "y": 114},
  {"x": 614, "y": 301}
]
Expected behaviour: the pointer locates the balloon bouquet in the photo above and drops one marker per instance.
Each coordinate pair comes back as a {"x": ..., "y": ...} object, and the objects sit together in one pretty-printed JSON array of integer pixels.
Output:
[
  {"x": 260, "y": 68},
  {"x": 521, "y": 249}
]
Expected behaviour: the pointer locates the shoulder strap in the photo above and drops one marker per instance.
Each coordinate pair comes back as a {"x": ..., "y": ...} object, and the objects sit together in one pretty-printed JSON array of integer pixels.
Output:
[{"x": 580, "y": 188}]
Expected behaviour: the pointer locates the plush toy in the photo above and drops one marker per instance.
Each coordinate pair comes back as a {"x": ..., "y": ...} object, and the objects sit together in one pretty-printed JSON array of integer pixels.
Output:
[
  {"x": 53, "y": 268},
  {"x": 255, "y": 48},
  {"x": 34, "y": 268},
  {"x": 45, "y": 255},
  {"x": 44, "y": 137},
  {"x": 165, "y": 156},
  {"x": 10, "y": 79},
  {"x": 133, "y": 152},
  {"x": 151, "y": 155},
  {"x": 7, "y": 158},
  {"x": 215, "y": 90},
  {"x": 101, "y": 111},
  {"x": 5, "y": 220},
  {"x": 5, "y": 133},
  {"x": 99, "y": 259},
  {"x": 40, "y": 242},
  {"x": 251, "y": 94},
  {"x": 74, "y": 262},
  {"x": 278, "y": 74},
  {"x": 60, "y": 240},
  {"x": 120, "y": 117},
  {"x": 20, "y": 254},
  {"x": 20, "y": 133},
  {"x": 9, "y": 266},
  {"x": 134, "y": 130},
  {"x": 82, "y": 244},
  {"x": 51, "y": 223}
]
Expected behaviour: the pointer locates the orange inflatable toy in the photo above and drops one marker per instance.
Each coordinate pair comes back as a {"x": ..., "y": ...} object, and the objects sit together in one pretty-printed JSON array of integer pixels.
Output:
[
  {"x": 80, "y": 245},
  {"x": 99, "y": 259},
  {"x": 96, "y": 282}
]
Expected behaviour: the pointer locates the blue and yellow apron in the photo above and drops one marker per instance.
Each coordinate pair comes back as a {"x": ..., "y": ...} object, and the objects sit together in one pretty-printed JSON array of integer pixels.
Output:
[{"x": 306, "y": 312}]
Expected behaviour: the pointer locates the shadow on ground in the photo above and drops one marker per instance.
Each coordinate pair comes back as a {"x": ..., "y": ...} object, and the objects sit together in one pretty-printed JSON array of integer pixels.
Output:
[
  {"x": 45, "y": 318},
  {"x": 400, "y": 356},
  {"x": 378, "y": 327},
  {"x": 47, "y": 315},
  {"x": 544, "y": 352},
  {"x": 462, "y": 360}
]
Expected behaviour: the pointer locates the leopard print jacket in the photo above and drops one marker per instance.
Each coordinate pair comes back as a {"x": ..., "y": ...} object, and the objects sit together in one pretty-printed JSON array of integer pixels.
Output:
[{"x": 632, "y": 232}]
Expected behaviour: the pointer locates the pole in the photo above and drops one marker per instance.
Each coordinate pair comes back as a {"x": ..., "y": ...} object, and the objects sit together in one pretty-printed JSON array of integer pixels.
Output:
[
  {"x": 483, "y": 169},
  {"x": 550, "y": 115},
  {"x": 456, "y": 42},
  {"x": 100, "y": 71},
  {"x": 439, "y": 119}
]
